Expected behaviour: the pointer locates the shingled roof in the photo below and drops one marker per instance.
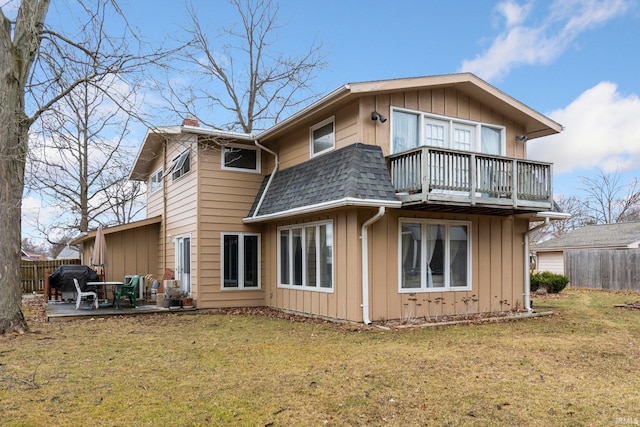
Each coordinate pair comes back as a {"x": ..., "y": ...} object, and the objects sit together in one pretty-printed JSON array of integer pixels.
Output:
[
  {"x": 605, "y": 236},
  {"x": 355, "y": 175}
]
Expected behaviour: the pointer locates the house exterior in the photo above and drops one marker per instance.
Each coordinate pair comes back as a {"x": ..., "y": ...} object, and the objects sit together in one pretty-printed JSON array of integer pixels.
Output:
[
  {"x": 382, "y": 200},
  {"x": 550, "y": 254}
]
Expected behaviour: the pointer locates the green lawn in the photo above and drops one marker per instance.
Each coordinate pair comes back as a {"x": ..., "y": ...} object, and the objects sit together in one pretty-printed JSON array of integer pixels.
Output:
[{"x": 580, "y": 366}]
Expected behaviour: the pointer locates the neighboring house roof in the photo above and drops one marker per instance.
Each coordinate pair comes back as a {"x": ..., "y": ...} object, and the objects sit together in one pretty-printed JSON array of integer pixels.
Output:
[
  {"x": 69, "y": 253},
  {"x": 355, "y": 175},
  {"x": 605, "y": 236}
]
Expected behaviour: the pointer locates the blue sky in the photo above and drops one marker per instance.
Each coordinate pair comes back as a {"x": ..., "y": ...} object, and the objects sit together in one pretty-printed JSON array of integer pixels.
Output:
[{"x": 577, "y": 61}]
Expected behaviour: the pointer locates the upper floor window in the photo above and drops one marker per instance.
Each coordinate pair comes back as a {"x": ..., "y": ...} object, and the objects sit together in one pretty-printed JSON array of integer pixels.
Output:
[
  {"x": 241, "y": 158},
  {"x": 323, "y": 136},
  {"x": 180, "y": 165},
  {"x": 415, "y": 129},
  {"x": 155, "y": 181}
]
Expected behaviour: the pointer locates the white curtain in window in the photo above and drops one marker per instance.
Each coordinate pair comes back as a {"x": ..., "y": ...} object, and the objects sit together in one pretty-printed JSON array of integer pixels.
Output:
[
  {"x": 490, "y": 140},
  {"x": 432, "y": 236},
  {"x": 405, "y": 131}
]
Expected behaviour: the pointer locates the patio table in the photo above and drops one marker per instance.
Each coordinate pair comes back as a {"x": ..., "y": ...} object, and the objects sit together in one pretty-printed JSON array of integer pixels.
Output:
[{"x": 105, "y": 285}]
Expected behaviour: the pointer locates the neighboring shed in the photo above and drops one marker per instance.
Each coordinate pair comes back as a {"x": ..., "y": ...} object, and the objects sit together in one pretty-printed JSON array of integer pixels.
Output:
[{"x": 550, "y": 254}]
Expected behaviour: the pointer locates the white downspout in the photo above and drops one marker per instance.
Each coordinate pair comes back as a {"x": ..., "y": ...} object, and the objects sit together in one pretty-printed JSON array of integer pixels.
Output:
[
  {"x": 527, "y": 279},
  {"x": 365, "y": 264},
  {"x": 273, "y": 173}
]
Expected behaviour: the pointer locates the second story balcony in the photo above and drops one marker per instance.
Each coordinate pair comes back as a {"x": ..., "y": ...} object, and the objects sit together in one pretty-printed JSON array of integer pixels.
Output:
[{"x": 466, "y": 180}]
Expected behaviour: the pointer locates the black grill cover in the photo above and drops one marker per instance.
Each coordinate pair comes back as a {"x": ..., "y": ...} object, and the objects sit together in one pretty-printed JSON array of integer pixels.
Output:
[{"x": 62, "y": 277}]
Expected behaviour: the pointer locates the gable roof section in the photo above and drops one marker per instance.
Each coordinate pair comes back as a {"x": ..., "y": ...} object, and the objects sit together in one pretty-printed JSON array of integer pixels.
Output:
[
  {"x": 355, "y": 175},
  {"x": 605, "y": 236},
  {"x": 536, "y": 124},
  {"x": 152, "y": 145}
]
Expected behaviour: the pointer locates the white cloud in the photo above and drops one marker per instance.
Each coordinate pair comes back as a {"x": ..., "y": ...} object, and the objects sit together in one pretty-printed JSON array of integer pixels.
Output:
[
  {"x": 600, "y": 131},
  {"x": 543, "y": 41}
]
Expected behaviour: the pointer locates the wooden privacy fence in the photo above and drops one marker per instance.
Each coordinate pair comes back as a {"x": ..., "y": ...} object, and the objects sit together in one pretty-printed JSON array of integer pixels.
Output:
[
  {"x": 32, "y": 273},
  {"x": 615, "y": 269}
]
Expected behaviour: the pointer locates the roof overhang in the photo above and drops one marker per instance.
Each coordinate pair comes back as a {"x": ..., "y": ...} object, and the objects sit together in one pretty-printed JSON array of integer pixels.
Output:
[
  {"x": 536, "y": 124},
  {"x": 91, "y": 235},
  {"x": 340, "y": 203},
  {"x": 542, "y": 216},
  {"x": 152, "y": 145}
]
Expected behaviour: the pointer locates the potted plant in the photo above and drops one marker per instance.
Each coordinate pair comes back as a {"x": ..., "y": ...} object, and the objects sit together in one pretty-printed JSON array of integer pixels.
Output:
[
  {"x": 187, "y": 301},
  {"x": 173, "y": 295}
]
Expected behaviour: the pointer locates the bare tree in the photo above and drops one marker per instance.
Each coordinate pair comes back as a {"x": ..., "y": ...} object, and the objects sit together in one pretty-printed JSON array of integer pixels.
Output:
[
  {"x": 33, "y": 60},
  {"x": 608, "y": 200},
  {"x": 256, "y": 85},
  {"x": 80, "y": 159},
  {"x": 571, "y": 205}
]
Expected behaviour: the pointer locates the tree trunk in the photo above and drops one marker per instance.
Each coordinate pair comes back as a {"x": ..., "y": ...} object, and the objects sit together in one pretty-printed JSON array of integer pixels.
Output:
[
  {"x": 13, "y": 137},
  {"x": 16, "y": 59}
]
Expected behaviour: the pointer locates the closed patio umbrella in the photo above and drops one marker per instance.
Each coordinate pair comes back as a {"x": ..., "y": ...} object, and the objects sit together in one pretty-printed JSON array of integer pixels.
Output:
[{"x": 99, "y": 255}]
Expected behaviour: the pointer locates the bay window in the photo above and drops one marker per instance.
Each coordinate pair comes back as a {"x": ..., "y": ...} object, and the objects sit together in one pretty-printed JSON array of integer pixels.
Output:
[{"x": 305, "y": 256}]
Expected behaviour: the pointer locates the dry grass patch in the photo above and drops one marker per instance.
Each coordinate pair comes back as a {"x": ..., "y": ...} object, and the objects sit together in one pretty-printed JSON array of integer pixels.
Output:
[{"x": 577, "y": 367}]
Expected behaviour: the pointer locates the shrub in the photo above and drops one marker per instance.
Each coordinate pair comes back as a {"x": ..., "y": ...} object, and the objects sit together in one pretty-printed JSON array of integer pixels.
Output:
[{"x": 552, "y": 282}]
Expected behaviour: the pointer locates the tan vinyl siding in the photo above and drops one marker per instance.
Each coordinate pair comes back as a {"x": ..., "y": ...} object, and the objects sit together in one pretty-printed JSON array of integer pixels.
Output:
[
  {"x": 225, "y": 198},
  {"x": 181, "y": 209},
  {"x": 551, "y": 261}
]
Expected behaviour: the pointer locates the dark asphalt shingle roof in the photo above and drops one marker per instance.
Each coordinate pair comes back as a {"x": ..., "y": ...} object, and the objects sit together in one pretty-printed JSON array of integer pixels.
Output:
[
  {"x": 595, "y": 236},
  {"x": 357, "y": 171}
]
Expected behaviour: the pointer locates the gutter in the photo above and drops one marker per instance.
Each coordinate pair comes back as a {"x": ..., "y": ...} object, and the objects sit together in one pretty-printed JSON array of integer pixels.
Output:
[
  {"x": 346, "y": 201},
  {"x": 365, "y": 264},
  {"x": 273, "y": 173}
]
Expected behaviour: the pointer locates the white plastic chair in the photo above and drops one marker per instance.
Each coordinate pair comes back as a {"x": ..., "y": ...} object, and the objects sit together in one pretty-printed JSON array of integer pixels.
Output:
[{"x": 84, "y": 295}]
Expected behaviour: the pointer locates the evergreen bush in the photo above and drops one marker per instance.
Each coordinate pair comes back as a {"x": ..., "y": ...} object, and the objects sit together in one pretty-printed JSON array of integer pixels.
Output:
[{"x": 553, "y": 283}]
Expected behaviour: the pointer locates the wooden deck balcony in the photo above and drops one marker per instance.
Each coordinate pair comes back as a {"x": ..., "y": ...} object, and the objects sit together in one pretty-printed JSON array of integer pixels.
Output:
[{"x": 441, "y": 177}]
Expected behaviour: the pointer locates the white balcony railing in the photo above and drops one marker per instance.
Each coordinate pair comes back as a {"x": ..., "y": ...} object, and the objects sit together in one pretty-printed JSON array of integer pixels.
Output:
[{"x": 428, "y": 174}]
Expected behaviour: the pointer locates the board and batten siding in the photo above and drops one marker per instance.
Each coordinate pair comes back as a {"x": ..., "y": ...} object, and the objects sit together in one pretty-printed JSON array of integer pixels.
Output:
[
  {"x": 497, "y": 270},
  {"x": 441, "y": 101},
  {"x": 344, "y": 302},
  {"x": 224, "y": 199}
]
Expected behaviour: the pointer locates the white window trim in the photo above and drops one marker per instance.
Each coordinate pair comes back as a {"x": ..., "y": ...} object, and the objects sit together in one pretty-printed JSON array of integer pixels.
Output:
[
  {"x": 179, "y": 160},
  {"x": 446, "y": 288},
  {"x": 243, "y": 147},
  {"x": 160, "y": 181},
  {"x": 241, "y": 260},
  {"x": 450, "y": 128},
  {"x": 177, "y": 241},
  {"x": 304, "y": 287},
  {"x": 317, "y": 126}
]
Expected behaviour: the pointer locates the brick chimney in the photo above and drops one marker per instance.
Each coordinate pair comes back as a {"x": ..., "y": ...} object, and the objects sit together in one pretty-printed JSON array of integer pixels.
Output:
[{"x": 190, "y": 121}]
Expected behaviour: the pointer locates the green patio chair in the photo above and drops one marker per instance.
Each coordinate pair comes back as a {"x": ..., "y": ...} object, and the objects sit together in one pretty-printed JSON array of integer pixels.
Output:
[{"x": 128, "y": 290}]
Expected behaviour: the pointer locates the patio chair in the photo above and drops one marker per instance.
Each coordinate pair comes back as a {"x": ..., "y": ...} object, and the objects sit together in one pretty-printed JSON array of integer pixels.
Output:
[
  {"x": 128, "y": 290},
  {"x": 84, "y": 295}
]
